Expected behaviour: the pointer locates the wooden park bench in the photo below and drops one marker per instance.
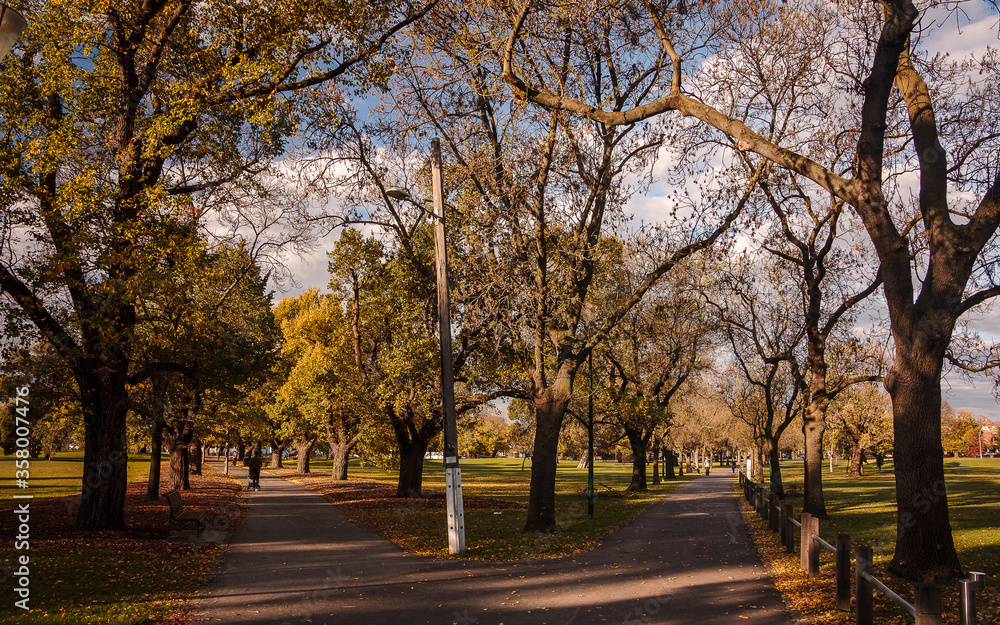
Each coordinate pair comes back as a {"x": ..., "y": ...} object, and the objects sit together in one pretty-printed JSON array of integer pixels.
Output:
[{"x": 179, "y": 515}]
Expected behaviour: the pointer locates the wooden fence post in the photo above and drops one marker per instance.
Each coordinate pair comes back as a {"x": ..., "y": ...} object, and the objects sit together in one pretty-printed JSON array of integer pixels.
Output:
[
  {"x": 844, "y": 572},
  {"x": 784, "y": 509},
  {"x": 790, "y": 531},
  {"x": 814, "y": 548},
  {"x": 805, "y": 543},
  {"x": 775, "y": 514},
  {"x": 927, "y": 602},
  {"x": 863, "y": 600}
]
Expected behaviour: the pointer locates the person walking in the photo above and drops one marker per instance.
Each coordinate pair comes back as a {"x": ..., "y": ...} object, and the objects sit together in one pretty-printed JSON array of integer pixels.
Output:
[
  {"x": 254, "y": 466},
  {"x": 708, "y": 464}
]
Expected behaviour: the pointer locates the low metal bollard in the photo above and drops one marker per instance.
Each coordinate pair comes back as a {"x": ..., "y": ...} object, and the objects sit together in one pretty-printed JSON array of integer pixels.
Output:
[{"x": 967, "y": 597}]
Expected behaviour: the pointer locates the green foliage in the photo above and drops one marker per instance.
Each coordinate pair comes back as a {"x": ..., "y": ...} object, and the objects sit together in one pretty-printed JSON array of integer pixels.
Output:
[
  {"x": 53, "y": 410},
  {"x": 129, "y": 131},
  {"x": 861, "y": 417},
  {"x": 960, "y": 431}
]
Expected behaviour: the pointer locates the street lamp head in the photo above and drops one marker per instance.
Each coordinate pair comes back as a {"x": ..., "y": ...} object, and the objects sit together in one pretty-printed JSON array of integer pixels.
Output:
[
  {"x": 12, "y": 24},
  {"x": 399, "y": 194}
]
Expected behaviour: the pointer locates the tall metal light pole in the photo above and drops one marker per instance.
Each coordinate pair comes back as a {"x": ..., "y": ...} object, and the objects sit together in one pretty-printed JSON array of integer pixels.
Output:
[{"x": 452, "y": 473}]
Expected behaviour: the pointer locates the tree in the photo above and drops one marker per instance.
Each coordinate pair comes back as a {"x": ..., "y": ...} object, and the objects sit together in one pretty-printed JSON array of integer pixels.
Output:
[
  {"x": 959, "y": 431},
  {"x": 653, "y": 351},
  {"x": 211, "y": 318},
  {"x": 121, "y": 115},
  {"x": 537, "y": 193},
  {"x": 949, "y": 103},
  {"x": 53, "y": 411},
  {"x": 319, "y": 394},
  {"x": 862, "y": 420},
  {"x": 765, "y": 328}
]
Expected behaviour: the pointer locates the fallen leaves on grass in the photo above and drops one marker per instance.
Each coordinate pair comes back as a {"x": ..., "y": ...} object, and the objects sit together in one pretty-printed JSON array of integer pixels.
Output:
[{"x": 141, "y": 574}]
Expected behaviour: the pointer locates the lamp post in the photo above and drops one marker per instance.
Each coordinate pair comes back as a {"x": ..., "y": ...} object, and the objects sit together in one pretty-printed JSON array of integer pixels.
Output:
[
  {"x": 12, "y": 24},
  {"x": 452, "y": 474}
]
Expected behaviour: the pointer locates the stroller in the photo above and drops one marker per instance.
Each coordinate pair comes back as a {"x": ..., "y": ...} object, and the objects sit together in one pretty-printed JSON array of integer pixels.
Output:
[{"x": 253, "y": 481}]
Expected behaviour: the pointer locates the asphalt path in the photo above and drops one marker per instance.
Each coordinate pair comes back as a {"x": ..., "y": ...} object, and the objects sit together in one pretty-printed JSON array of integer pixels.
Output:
[{"x": 297, "y": 559}]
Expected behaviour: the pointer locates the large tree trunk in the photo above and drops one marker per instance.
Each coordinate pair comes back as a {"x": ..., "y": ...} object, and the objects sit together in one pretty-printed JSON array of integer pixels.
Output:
[
  {"x": 412, "y": 442},
  {"x": 669, "y": 459},
  {"x": 341, "y": 455},
  {"x": 105, "y": 457},
  {"x": 550, "y": 407},
  {"x": 304, "y": 447},
  {"x": 241, "y": 451},
  {"x": 340, "y": 458},
  {"x": 656, "y": 464},
  {"x": 813, "y": 427},
  {"x": 774, "y": 458},
  {"x": 177, "y": 453},
  {"x": 277, "y": 449},
  {"x": 758, "y": 462},
  {"x": 186, "y": 470},
  {"x": 924, "y": 545},
  {"x": 196, "y": 452},
  {"x": 854, "y": 467},
  {"x": 637, "y": 443},
  {"x": 156, "y": 449},
  {"x": 411, "y": 468},
  {"x": 340, "y": 448},
  {"x": 177, "y": 434}
]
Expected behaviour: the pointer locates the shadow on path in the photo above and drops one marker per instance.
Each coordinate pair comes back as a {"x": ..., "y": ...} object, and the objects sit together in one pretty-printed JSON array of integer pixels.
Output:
[{"x": 686, "y": 560}]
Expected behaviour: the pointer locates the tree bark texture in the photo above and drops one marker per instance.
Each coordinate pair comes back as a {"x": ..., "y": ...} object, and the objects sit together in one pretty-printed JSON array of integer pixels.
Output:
[
  {"x": 924, "y": 544},
  {"x": 196, "y": 453},
  {"x": 105, "y": 457},
  {"x": 340, "y": 448},
  {"x": 550, "y": 408},
  {"x": 412, "y": 441},
  {"x": 277, "y": 449},
  {"x": 813, "y": 427},
  {"x": 156, "y": 449},
  {"x": 304, "y": 448},
  {"x": 637, "y": 442}
]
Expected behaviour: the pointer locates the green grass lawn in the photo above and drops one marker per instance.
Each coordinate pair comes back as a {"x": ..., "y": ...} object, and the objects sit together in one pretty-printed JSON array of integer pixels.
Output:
[
  {"x": 62, "y": 475},
  {"x": 865, "y": 508},
  {"x": 142, "y": 575},
  {"x": 493, "y": 531}
]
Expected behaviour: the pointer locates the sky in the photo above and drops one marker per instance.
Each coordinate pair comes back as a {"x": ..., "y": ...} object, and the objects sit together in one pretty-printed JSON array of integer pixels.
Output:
[{"x": 960, "y": 35}]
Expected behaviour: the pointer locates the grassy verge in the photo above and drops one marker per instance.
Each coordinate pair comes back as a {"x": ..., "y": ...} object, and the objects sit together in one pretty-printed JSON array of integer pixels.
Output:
[
  {"x": 864, "y": 508},
  {"x": 141, "y": 575},
  {"x": 495, "y": 493},
  {"x": 62, "y": 475}
]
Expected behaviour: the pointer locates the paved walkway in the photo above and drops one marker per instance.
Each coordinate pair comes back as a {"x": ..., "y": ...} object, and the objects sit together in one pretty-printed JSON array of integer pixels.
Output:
[{"x": 296, "y": 559}]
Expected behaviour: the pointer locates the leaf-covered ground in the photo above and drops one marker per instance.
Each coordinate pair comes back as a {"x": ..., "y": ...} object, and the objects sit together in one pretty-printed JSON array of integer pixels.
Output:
[
  {"x": 864, "y": 508},
  {"x": 495, "y": 492},
  {"x": 142, "y": 575}
]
